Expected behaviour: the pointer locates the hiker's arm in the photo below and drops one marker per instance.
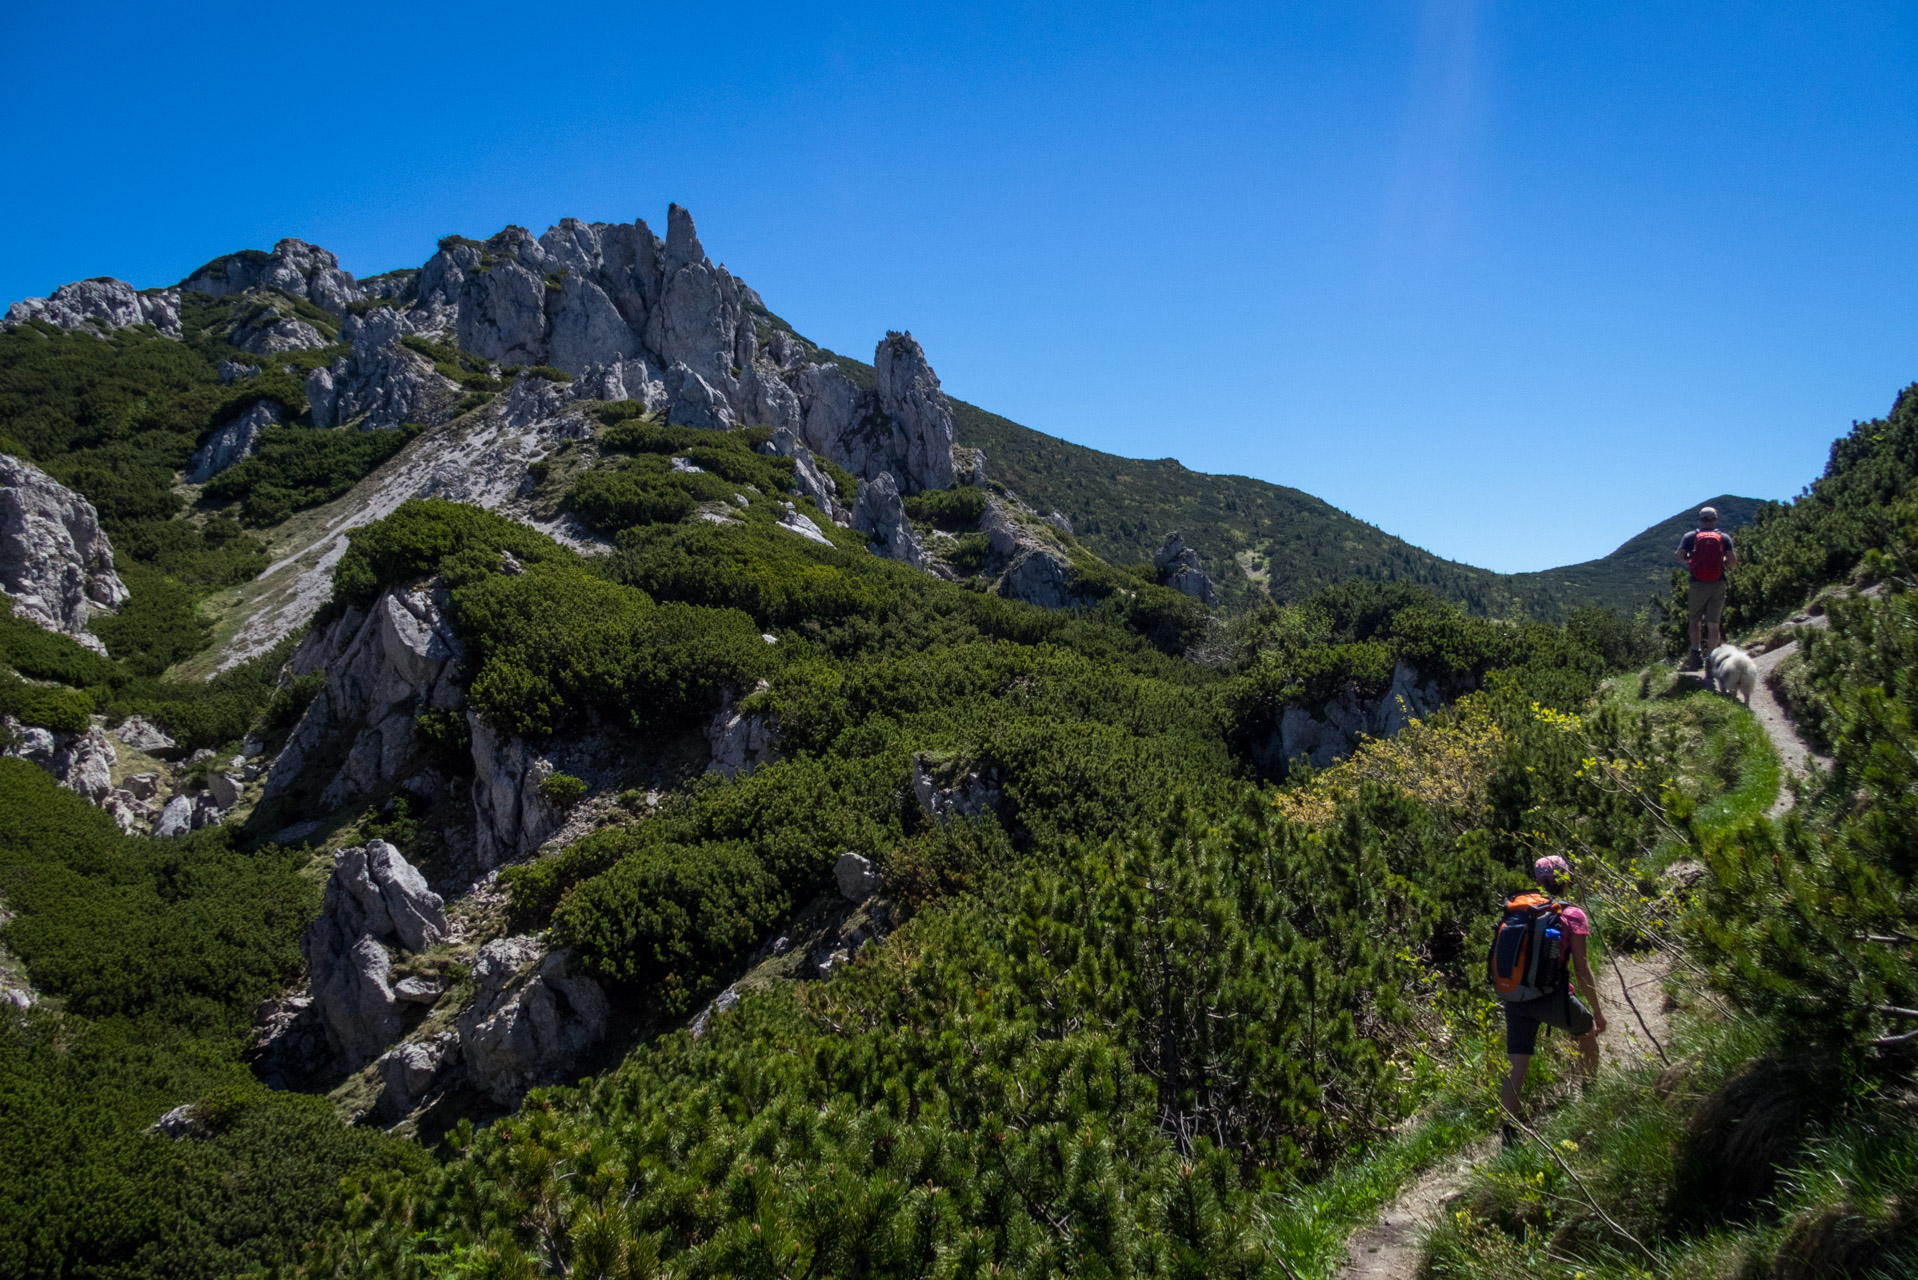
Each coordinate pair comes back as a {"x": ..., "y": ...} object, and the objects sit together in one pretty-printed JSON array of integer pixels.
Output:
[{"x": 1587, "y": 984}]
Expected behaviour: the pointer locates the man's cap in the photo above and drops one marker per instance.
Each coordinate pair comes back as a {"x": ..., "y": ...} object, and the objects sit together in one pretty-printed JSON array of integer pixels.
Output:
[
  {"x": 1708, "y": 515},
  {"x": 1550, "y": 869}
]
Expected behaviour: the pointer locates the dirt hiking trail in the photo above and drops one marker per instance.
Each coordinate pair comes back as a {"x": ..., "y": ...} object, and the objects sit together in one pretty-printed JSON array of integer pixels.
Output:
[{"x": 1392, "y": 1248}]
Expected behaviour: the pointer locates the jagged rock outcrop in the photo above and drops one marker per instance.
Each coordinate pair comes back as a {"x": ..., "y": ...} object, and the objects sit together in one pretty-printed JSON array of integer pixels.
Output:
[
  {"x": 1037, "y": 569},
  {"x": 880, "y": 514},
  {"x": 375, "y": 900},
  {"x": 1325, "y": 734},
  {"x": 266, "y": 332},
  {"x": 142, "y": 735},
  {"x": 512, "y": 817},
  {"x": 294, "y": 267},
  {"x": 809, "y": 481},
  {"x": 910, "y": 397},
  {"x": 233, "y": 443},
  {"x": 531, "y": 1019},
  {"x": 55, "y": 560},
  {"x": 382, "y": 668},
  {"x": 379, "y": 382},
  {"x": 1181, "y": 569},
  {"x": 105, "y": 302},
  {"x": 232, "y": 371}
]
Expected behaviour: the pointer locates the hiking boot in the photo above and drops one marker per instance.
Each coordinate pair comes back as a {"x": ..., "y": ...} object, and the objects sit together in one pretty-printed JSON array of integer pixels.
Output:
[{"x": 1694, "y": 661}]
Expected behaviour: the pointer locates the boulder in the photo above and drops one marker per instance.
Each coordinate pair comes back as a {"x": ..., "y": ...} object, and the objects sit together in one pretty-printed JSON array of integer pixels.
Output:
[
  {"x": 176, "y": 819},
  {"x": 1328, "y": 732},
  {"x": 142, "y": 735},
  {"x": 232, "y": 371},
  {"x": 412, "y": 1070},
  {"x": 797, "y": 521},
  {"x": 81, "y": 762},
  {"x": 55, "y": 560},
  {"x": 224, "y": 788},
  {"x": 102, "y": 302},
  {"x": 530, "y": 1021},
  {"x": 182, "y": 1122},
  {"x": 857, "y": 877},
  {"x": 232, "y": 443},
  {"x": 880, "y": 513}
]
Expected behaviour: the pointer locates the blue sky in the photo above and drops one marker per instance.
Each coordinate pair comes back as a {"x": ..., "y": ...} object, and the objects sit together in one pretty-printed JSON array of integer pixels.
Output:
[{"x": 1510, "y": 280}]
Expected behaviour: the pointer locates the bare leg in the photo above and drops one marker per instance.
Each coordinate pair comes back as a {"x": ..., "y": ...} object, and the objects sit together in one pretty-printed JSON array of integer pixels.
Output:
[
  {"x": 1714, "y": 632},
  {"x": 1588, "y": 1057},
  {"x": 1508, "y": 1096},
  {"x": 1698, "y": 625}
]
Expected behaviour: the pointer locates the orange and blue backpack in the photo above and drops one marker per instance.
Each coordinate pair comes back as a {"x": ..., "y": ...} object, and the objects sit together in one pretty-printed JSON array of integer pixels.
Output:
[{"x": 1528, "y": 954}]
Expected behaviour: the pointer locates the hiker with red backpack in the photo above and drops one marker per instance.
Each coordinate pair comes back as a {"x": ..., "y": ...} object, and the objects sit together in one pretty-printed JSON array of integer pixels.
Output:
[
  {"x": 1707, "y": 552},
  {"x": 1539, "y": 944}
]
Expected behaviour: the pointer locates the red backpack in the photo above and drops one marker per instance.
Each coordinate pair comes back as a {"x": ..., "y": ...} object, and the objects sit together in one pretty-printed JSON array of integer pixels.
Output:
[{"x": 1708, "y": 556}]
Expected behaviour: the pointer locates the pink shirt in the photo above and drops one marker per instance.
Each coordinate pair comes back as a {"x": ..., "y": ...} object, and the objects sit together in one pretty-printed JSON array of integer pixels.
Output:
[{"x": 1576, "y": 922}]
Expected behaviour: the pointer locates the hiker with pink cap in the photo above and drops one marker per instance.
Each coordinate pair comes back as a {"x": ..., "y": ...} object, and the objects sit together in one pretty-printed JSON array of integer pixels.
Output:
[{"x": 1539, "y": 945}]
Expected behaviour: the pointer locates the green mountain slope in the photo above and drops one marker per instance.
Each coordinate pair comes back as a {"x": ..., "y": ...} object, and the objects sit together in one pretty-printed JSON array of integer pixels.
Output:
[
  {"x": 1255, "y": 536},
  {"x": 1641, "y": 568}
]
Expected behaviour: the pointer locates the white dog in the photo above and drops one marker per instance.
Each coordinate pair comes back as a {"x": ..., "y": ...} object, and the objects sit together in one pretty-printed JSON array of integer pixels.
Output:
[{"x": 1733, "y": 672}]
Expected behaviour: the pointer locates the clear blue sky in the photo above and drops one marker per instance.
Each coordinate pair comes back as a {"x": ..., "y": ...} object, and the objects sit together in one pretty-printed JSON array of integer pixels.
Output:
[{"x": 1511, "y": 280}]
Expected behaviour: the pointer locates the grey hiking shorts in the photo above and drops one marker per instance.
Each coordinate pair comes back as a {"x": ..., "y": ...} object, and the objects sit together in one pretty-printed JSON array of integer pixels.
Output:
[
  {"x": 1707, "y": 601},
  {"x": 1561, "y": 1009}
]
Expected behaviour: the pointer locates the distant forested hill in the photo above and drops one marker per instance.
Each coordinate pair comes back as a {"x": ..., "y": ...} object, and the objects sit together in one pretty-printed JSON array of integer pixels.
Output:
[
  {"x": 1252, "y": 534},
  {"x": 1629, "y": 577}
]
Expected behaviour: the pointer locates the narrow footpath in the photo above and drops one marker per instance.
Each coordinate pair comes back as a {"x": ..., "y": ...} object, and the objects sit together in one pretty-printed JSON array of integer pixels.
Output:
[{"x": 1392, "y": 1248}]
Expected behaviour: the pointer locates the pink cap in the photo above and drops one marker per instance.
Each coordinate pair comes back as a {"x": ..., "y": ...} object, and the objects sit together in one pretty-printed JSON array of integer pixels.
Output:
[{"x": 1550, "y": 869}]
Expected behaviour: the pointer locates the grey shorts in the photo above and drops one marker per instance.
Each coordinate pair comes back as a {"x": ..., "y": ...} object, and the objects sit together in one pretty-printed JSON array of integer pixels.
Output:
[
  {"x": 1562, "y": 1010},
  {"x": 1707, "y": 601}
]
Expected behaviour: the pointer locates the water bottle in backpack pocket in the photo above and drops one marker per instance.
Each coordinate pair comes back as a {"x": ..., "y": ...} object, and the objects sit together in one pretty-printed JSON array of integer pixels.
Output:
[{"x": 1527, "y": 959}]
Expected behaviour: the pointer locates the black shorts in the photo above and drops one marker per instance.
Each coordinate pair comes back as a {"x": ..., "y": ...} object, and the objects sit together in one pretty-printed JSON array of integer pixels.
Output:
[{"x": 1562, "y": 1010}]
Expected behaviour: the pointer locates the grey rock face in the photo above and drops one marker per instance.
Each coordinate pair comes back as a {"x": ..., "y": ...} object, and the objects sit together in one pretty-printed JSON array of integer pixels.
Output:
[
  {"x": 880, "y": 514},
  {"x": 295, "y": 267},
  {"x": 511, "y": 816},
  {"x": 796, "y": 521},
  {"x": 1181, "y": 569},
  {"x": 181, "y": 1122},
  {"x": 393, "y": 663},
  {"x": 529, "y": 1022},
  {"x": 233, "y": 443},
  {"x": 856, "y": 876},
  {"x": 55, "y": 560},
  {"x": 375, "y": 899},
  {"x": 909, "y": 395},
  {"x": 808, "y": 480},
  {"x": 741, "y": 741},
  {"x": 105, "y": 302},
  {"x": 232, "y": 371},
  {"x": 1325, "y": 734},
  {"x": 379, "y": 383}
]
